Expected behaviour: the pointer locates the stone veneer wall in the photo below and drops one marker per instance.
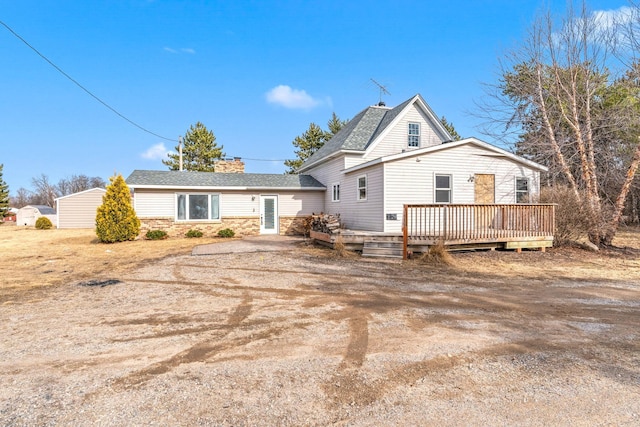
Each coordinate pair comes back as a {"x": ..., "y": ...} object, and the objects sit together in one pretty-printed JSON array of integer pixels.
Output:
[
  {"x": 292, "y": 225},
  {"x": 242, "y": 226}
]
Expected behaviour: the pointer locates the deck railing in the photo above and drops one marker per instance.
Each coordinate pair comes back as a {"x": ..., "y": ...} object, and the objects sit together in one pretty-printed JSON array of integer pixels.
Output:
[{"x": 461, "y": 224}]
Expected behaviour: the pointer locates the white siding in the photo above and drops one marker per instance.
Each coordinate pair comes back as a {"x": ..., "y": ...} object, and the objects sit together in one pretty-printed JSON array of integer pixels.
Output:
[
  {"x": 154, "y": 203},
  {"x": 396, "y": 140},
  {"x": 363, "y": 214},
  {"x": 412, "y": 181},
  {"x": 327, "y": 174},
  {"x": 161, "y": 203},
  {"x": 79, "y": 210}
]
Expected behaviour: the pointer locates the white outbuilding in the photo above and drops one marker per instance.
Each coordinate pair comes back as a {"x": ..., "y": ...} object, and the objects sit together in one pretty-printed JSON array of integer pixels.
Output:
[
  {"x": 78, "y": 210},
  {"x": 28, "y": 215}
]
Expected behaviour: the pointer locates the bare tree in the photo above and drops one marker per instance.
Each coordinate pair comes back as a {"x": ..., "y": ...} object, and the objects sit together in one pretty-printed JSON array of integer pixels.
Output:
[
  {"x": 21, "y": 199},
  {"x": 558, "y": 95},
  {"x": 78, "y": 183},
  {"x": 44, "y": 192}
]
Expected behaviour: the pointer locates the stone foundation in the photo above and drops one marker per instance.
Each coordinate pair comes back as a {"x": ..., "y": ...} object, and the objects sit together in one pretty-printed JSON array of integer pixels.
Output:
[
  {"x": 293, "y": 225},
  {"x": 242, "y": 226}
]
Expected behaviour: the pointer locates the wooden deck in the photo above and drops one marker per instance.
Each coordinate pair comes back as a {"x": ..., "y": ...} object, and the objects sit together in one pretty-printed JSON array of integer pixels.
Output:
[{"x": 458, "y": 227}]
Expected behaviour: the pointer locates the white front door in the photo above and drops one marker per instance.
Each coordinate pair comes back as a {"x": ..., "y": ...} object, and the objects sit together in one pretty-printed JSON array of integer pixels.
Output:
[{"x": 268, "y": 214}]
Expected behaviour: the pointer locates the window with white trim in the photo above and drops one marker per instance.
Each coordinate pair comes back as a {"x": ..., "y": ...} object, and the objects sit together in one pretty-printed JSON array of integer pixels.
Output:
[
  {"x": 335, "y": 193},
  {"x": 362, "y": 187},
  {"x": 197, "y": 207},
  {"x": 443, "y": 188},
  {"x": 522, "y": 190},
  {"x": 414, "y": 135}
]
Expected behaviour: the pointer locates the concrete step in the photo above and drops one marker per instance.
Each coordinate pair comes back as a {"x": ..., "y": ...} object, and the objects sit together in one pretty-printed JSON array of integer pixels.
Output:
[{"x": 386, "y": 249}]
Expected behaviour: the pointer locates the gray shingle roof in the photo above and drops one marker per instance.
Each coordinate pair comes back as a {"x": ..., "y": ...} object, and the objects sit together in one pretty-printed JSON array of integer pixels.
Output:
[
  {"x": 361, "y": 130},
  {"x": 212, "y": 180}
]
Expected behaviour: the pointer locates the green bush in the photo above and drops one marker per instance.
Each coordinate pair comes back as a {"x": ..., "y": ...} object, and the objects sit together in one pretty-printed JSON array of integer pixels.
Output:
[
  {"x": 226, "y": 232},
  {"x": 156, "y": 235},
  {"x": 43, "y": 223},
  {"x": 193, "y": 233},
  {"x": 116, "y": 220}
]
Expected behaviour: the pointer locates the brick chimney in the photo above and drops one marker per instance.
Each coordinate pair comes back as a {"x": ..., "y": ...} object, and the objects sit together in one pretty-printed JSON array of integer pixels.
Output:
[{"x": 235, "y": 165}]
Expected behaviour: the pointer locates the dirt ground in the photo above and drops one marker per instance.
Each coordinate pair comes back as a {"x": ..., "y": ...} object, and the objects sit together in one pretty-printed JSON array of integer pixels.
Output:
[{"x": 303, "y": 337}]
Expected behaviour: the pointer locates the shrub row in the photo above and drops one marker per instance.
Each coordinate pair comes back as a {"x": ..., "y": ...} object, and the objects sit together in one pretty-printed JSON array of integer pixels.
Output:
[{"x": 193, "y": 233}]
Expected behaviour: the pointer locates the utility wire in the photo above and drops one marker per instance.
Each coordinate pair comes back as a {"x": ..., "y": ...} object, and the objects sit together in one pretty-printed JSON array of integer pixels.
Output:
[
  {"x": 103, "y": 102},
  {"x": 84, "y": 88}
]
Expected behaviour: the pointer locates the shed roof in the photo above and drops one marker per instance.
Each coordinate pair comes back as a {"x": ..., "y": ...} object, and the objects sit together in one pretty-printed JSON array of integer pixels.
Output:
[
  {"x": 215, "y": 180},
  {"x": 43, "y": 209}
]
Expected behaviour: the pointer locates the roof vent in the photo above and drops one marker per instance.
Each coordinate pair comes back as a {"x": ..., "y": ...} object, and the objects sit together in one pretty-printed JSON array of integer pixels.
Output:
[{"x": 381, "y": 104}]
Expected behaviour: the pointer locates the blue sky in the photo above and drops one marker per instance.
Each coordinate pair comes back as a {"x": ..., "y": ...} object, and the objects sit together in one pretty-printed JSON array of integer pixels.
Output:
[{"x": 256, "y": 73}]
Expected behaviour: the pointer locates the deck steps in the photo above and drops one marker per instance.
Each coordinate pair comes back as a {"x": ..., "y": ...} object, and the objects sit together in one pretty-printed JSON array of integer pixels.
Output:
[{"x": 384, "y": 248}]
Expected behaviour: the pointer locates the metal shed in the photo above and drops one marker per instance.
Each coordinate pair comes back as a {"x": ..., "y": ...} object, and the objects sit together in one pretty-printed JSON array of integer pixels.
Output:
[
  {"x": 28, "y": 215},
  {"x": 78, "y": 210}
]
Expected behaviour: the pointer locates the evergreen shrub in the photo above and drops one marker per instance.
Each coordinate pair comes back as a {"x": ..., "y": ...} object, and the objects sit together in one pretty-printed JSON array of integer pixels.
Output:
[
  {"x": 226, "y": 232},
  {"x": 116, "y": 220},
  {"x": 44, "y": 223}
]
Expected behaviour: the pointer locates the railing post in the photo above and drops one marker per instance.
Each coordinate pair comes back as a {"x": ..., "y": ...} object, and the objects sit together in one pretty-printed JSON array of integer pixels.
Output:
[{"x": 405, "y": 232}]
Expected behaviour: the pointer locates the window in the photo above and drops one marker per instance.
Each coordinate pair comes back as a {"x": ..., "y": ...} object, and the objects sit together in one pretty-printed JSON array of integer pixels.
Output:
[
  {"x": 522, "y": 190},
  {"x": 335, "y": 194},
  {"x": 414, "y": 135},
  {"x": 443, "y": 188},
  {"x": 194, "y": 207},
  {"x": 362, "y": 187}
]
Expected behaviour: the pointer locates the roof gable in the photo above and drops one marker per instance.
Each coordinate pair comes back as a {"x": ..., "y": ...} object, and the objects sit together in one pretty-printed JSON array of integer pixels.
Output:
[
  {"x": 492, "y": 150},
  {"x": 367, "y": 128}
]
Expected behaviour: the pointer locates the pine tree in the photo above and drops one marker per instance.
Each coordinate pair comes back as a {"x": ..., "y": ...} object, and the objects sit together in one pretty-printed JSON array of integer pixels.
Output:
[
  {"x": 199, "y": 151},
  {"x": 312, "y": 140},
  {"x": 116, "y": 221},
  {"x": 4, "y": 196},
  {"x": 450, "y": 128}
]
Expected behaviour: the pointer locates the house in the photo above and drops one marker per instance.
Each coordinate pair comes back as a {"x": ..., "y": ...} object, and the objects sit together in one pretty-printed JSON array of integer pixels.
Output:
[
  {"x": 78, "y": 210},
  {"x": 28, "y": 215},
  {"x": 248, "y": 203},
  {"x": 383, "y": 159},
  {"x": 10, "y": 215}
]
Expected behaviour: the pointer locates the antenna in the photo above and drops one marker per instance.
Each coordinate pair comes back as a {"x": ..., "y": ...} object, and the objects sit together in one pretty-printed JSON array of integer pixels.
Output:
[{"x": 383, "y": 90}]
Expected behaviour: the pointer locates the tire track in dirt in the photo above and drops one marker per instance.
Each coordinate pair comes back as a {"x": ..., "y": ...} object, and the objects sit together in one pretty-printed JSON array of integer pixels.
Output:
[{"x": 202, "y": 350}]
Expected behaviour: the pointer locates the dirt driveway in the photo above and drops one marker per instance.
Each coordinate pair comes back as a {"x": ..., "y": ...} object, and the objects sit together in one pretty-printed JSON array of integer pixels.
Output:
[{"x": 302, "y": 338}]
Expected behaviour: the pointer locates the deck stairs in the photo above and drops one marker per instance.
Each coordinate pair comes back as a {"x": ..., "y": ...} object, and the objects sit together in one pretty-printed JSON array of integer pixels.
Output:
[{"x": 382, "y": 248}]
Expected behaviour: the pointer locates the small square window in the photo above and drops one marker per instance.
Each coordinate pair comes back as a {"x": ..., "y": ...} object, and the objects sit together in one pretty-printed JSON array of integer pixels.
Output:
[
  {"x": 362, "y": 187},
  {"x": 522, "y": 190},
  {"x": 414, "y": 135},
  {"x": 443, "y": 189},
  {"x": 335, "y": 193}
]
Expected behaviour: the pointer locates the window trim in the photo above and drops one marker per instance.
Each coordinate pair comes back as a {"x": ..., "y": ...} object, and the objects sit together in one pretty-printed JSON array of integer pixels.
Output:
[
  {"x": 359, "y": 188},
  {"x": 410, "y": 135},
  {"x": 186, "y": 207},
  {"x": 334, "y": 187},
  {"x": 436, "y": 188},
  {"x": 517, "y": 192}
]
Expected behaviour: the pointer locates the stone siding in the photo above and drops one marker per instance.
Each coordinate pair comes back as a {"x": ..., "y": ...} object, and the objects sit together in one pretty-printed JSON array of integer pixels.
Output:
[
  {"x": 229, "y": 166},
  {"x": 242, "y": 226},
  {"x": 293, "y": 225}
]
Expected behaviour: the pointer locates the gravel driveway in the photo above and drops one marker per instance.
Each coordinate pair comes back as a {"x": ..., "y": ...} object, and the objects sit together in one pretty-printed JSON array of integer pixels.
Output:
[{"x": 296, "y": 337}]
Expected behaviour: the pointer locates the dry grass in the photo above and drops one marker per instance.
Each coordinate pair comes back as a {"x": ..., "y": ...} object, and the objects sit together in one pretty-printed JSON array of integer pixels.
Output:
[
  {"x": 32, "y": 258},
  {"x": 437, "y": 255}
]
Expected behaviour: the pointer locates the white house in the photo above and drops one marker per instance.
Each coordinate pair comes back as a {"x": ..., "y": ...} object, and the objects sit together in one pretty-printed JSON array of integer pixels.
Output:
[
  {"x": 382, "y": 159},
  {"x": 78, "y": 210}
]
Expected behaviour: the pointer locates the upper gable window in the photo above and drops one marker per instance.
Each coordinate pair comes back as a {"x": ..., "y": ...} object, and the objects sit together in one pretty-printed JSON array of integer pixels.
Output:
[{"x": 414, "y": 135}]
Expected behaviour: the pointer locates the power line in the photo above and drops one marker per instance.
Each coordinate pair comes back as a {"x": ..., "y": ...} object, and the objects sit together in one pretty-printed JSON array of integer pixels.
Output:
[{"x": 84, "y": 88}]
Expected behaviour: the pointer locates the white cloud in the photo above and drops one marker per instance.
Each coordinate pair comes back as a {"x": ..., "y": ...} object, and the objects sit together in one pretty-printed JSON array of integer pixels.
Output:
[
  {"x": 188, "y": 50},
  {"x": 291, "y": 98},
  {"x": 606, "y": 19},
  {"x": 155, "y": 152}
]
